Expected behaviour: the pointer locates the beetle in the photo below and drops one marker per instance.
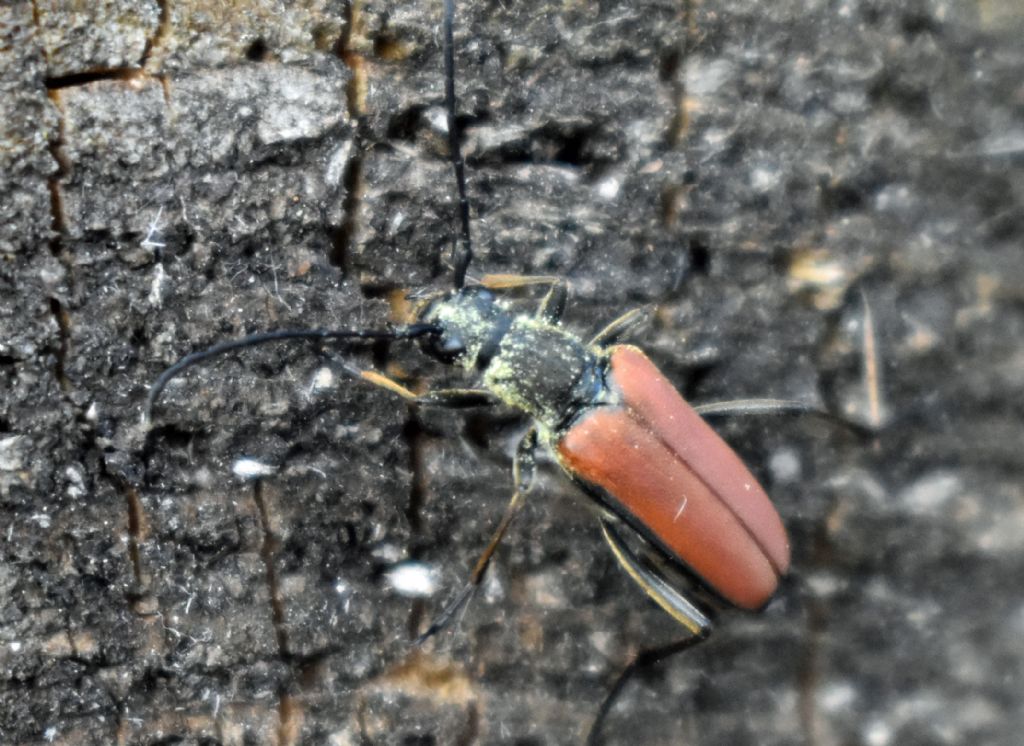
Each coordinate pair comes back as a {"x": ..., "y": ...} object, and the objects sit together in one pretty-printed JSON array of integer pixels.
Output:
[{"x": 672, "y": 497}]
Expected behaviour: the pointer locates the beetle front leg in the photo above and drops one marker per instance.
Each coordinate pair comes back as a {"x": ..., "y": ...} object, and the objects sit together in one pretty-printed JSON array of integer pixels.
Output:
[
  {"x": 551, "y": 307},
  {"x": 447, "y": 398},
  {"x": 523, "y": 470}
]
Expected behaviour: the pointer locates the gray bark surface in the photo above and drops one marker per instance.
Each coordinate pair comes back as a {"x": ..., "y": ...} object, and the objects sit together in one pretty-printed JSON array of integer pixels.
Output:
[{"x": 174, "y": 174}]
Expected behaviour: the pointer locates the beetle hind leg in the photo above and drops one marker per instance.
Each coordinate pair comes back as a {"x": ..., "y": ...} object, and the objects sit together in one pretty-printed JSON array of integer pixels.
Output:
[
  {"x": 678, "y": 606},
  {"x": 643, "y": 660},
  {"x": 671, "y": 600}
]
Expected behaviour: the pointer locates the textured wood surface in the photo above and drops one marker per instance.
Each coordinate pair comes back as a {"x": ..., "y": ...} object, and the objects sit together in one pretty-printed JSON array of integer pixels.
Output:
[{"x": 179, "y": 173}]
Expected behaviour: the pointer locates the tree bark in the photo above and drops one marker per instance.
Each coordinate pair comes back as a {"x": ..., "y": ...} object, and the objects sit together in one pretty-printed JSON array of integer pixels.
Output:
[{"x": 176, "y": 174}]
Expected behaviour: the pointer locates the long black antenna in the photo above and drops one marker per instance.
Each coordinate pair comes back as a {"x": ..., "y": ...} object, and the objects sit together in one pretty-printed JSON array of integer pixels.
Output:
[
  {"x": 454, "y": 145},
  {"x": 406, "y": 332}
]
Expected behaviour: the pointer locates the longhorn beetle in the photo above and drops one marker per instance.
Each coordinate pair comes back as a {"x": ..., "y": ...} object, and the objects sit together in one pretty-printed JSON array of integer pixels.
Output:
[{"x": 657, "y": 472}]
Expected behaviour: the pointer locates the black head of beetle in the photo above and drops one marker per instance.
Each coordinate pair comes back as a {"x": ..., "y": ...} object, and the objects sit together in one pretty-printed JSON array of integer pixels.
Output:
[{"x": 470, "y": 325}]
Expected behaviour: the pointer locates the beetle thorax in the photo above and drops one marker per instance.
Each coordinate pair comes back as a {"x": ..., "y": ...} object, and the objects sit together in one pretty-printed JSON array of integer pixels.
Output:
[{"x": 546, "y": 372}]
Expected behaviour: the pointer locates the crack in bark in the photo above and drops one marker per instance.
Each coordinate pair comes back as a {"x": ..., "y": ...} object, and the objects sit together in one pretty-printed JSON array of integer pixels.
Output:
[
  {"x": 352, "y": 179},
  {"x": 136, "y": 521},
  {"x": 289, "y": 713},
  {"x": 63, "y": 321},
  {"x": 674, "y": 71},
  {"x": 58, "y": 224},
  {"x": 268, "y": 549},
  {"x": 77, "y": 80}
]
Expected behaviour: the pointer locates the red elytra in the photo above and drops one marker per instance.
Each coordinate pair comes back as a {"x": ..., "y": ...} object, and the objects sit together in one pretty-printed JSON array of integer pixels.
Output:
[{"x": 669, "y": 471}]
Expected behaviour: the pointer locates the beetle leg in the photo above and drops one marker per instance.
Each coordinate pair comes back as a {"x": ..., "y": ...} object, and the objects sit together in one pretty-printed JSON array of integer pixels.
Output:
[
  {"x": 449, "y": 398},
  {"x": 522, "y": 475},
  {"x": 644, "y": 659},
  {"x": 876, "y": 415},
  {"x": 746, "y": 407},
  {"x": 619, "y": 326},
  {"x": 457, "y": 398},
  {"x": 505, "y": 282},
  {"x": 553, "y": 305},
  {"x": 668, "y": 598},
  {"x": 671, "y": 600},
  {"x": 756, "y": 407}
]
